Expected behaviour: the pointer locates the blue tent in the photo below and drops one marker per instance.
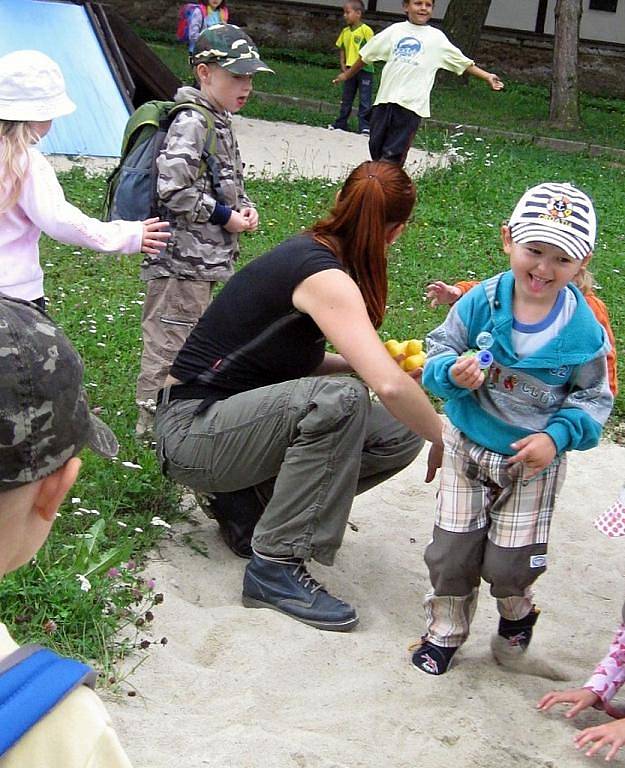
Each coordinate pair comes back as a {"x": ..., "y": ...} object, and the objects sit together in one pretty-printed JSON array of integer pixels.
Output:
[{"x": 70, "y": 35}]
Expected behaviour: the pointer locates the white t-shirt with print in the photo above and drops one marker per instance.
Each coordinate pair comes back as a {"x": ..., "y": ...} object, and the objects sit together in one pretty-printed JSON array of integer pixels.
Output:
[{"x": 413, "y": 54}]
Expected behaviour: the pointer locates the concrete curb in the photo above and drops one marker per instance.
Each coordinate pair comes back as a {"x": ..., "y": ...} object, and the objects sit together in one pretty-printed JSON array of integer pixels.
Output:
[{"x": 545, "y": 142}]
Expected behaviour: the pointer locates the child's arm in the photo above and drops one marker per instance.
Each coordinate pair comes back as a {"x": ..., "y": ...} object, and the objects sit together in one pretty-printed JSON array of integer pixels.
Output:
[
  {"x": 490, "y": 77},
  {"x": 179, "y": 185},
  {"x": 445, "y": 373},
  {"x": 602, "y": 686},
  {"x": 577, "y": 425},
  {"x": 43, "y": 201},
  {"x": 442, "y": 293},
  {"x": 195, "y": 27},
  {"x": 342, "y": 63},
  {"x": 350, "y": 72}
]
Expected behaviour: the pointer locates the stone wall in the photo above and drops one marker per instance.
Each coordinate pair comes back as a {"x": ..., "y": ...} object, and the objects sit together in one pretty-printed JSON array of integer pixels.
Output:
[{"x": 519, "y": 56}]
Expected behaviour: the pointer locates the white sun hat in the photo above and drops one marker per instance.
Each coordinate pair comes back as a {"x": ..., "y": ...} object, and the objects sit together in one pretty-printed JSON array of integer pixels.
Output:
[{"x": 32, "y": 88}]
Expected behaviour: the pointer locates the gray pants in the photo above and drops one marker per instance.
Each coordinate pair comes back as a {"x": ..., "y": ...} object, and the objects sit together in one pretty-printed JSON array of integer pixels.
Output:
[{"x": 307, "y": 446}]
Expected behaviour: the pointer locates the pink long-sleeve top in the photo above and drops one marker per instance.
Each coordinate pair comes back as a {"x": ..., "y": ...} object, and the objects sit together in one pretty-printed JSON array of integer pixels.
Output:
[
  {"x": 609, "y": 674},
  {"x": 42, "y": 206}
]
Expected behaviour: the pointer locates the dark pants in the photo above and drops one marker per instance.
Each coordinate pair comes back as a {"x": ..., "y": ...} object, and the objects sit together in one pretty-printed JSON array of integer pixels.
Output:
[
  {"x": 362, "y": 82},
  {"x": 392, "y": 131}
]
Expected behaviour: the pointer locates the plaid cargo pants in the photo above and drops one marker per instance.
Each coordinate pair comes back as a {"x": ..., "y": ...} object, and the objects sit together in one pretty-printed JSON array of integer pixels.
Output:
[{"x": 490, "y": 523}]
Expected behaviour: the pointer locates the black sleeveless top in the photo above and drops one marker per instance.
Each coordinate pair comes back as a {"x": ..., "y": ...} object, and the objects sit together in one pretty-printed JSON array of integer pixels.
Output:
[{"x": 251, "y": 335}]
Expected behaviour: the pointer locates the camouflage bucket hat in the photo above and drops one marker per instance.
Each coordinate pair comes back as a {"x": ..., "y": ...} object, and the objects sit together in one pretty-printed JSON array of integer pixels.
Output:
[
  {"x": 231, "y": 48},
  {"x": 44, "y": 416}
]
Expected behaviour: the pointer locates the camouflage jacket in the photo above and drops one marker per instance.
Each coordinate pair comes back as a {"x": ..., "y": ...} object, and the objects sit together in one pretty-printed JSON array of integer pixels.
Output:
[{"x": 197, "y": 249}]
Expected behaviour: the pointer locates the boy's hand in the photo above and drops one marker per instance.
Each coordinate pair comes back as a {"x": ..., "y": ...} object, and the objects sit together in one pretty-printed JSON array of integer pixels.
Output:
[
  {"x": 340, "y": 78},
  {"x": 441, "y": 293},
  {"x": 251, "y": 214},
  {"x": 237, "y": 223},
  {"x": 610, "y": 735},
  {"x": 154, "y": 238},
  {"x": 495, "y": 83},
  {"x": 466, "y": 373},
  {"x": 535, "y": 452},
  {"x": 580, "y": 698}
]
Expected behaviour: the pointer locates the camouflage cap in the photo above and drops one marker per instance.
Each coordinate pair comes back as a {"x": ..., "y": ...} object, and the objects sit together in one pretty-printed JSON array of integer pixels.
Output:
[
  {"x": 231, "y": 48},
  {"x": 44, "y": 416}
]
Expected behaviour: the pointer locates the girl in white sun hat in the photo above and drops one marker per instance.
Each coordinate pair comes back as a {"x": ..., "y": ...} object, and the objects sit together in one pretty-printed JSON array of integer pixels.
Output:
[
  {"x": 609, "y": 674},
  {"x": 32, "y": 94}
]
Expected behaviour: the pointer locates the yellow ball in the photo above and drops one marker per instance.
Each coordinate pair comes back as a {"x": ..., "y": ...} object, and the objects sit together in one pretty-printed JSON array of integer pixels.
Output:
[
  {"x": 414, "y": 361},
  {"x": 414, "y": 347},
  {"x": 393, "y": 347}
]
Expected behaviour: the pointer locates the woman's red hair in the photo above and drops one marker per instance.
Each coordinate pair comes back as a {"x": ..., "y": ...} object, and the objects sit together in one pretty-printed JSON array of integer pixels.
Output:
[{"x": 376, "y": 194}]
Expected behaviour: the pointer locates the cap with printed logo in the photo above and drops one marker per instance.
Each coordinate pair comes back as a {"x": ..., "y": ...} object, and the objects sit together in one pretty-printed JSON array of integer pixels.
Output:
[
  {"x": 231, "y": 48},
  {"x": 44, "y": 416},
  {"x": 558, "y": 214}
]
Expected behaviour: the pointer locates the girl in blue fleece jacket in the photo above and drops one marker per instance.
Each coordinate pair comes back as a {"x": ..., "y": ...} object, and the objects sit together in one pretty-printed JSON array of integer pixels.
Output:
[{"x": 510, "y": 425}]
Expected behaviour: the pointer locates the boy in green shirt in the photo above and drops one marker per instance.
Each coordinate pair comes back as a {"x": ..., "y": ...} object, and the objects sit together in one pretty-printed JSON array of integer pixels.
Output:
[{"x": 349, "y": 43}]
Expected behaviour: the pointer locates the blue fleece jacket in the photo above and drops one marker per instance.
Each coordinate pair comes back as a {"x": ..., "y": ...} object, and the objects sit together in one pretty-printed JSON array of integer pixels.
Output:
[{"x": 561, "y": 389}]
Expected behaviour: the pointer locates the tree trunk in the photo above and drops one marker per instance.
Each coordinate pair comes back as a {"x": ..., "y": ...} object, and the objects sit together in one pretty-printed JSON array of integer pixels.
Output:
[
  {"x": 463, "y": 24},
  {"x": 564, "y": 106}
]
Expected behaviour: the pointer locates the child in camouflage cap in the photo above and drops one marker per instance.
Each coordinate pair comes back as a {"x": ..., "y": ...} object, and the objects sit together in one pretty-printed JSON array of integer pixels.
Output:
[
  {"x": 44, "y": 422},
  {"x": 207, "y": 209}
]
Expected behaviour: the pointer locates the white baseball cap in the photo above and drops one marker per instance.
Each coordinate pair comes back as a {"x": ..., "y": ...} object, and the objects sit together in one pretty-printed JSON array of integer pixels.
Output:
[
  {"x": 32, "y": 88},
  {"x": 558, "y": 214}
]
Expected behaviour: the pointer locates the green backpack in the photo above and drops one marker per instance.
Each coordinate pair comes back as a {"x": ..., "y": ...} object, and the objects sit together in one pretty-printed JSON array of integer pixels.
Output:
[{"x": 131, "y": 187}]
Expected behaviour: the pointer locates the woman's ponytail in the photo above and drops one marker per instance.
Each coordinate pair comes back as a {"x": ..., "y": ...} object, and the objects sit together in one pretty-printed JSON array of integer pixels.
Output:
[{"x": 377, "y": 195}]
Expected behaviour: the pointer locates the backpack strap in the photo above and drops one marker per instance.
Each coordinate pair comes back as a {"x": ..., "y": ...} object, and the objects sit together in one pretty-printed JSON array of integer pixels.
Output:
[
  {"x": 33, "y": 680},
  {"x": 208, "y": 160}
]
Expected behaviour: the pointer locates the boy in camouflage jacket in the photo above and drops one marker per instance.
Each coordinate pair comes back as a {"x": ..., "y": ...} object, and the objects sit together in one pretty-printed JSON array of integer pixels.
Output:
[{"x": 205, "y": 203}]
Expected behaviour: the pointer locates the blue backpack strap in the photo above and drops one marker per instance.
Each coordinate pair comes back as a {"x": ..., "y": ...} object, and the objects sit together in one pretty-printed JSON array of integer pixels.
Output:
[{"x": 32, "y": 681}]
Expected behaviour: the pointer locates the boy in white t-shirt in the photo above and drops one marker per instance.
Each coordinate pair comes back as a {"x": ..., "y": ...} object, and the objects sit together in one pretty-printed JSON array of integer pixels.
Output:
[{"x": 414, "y": 52}]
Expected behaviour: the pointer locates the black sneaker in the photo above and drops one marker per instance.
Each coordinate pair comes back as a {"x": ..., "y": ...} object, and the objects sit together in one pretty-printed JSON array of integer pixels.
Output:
[
  {"x": 236, "y": 513},
  {"x": 430, "y": 658},
  {"x": 285, "y": 585},
  {"x": 518, "y": 634}
]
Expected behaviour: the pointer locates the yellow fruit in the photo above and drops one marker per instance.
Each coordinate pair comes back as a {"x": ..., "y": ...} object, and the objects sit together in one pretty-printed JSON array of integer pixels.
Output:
[
  {"x": 402, "y": 347},
  {"x": 414, "y": 361},
  {"x": 414, "y": 347},
  {"x": 393, "y": 347}
]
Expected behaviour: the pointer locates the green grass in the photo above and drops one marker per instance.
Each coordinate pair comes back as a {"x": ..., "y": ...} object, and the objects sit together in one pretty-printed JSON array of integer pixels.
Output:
[{"x": 520, "y": 107}]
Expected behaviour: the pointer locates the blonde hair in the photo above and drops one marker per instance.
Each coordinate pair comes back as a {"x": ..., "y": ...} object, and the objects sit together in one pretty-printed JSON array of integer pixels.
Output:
[{"x": 16, "y": 136}]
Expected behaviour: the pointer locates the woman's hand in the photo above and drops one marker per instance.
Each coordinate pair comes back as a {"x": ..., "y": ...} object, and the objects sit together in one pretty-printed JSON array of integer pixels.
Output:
[{"x": 580, "y": 698}]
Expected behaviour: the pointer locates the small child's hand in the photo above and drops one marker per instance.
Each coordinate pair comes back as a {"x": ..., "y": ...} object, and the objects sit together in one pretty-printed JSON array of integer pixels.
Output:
[
  {"x": 154, "y": 237},
  {"x": 535, "y": 452},
  {"x": 442, "y": 293},
  {"x": 466, "y": 373},
  {"x": 340, "y": 78},
  {"x": 580, "y": 698},
  {"x": 251, "y": 214},
  {"x": 237, "y": 223},
  {"x": 495, "y": 83},
  {"x": 610, "y": 735}
]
